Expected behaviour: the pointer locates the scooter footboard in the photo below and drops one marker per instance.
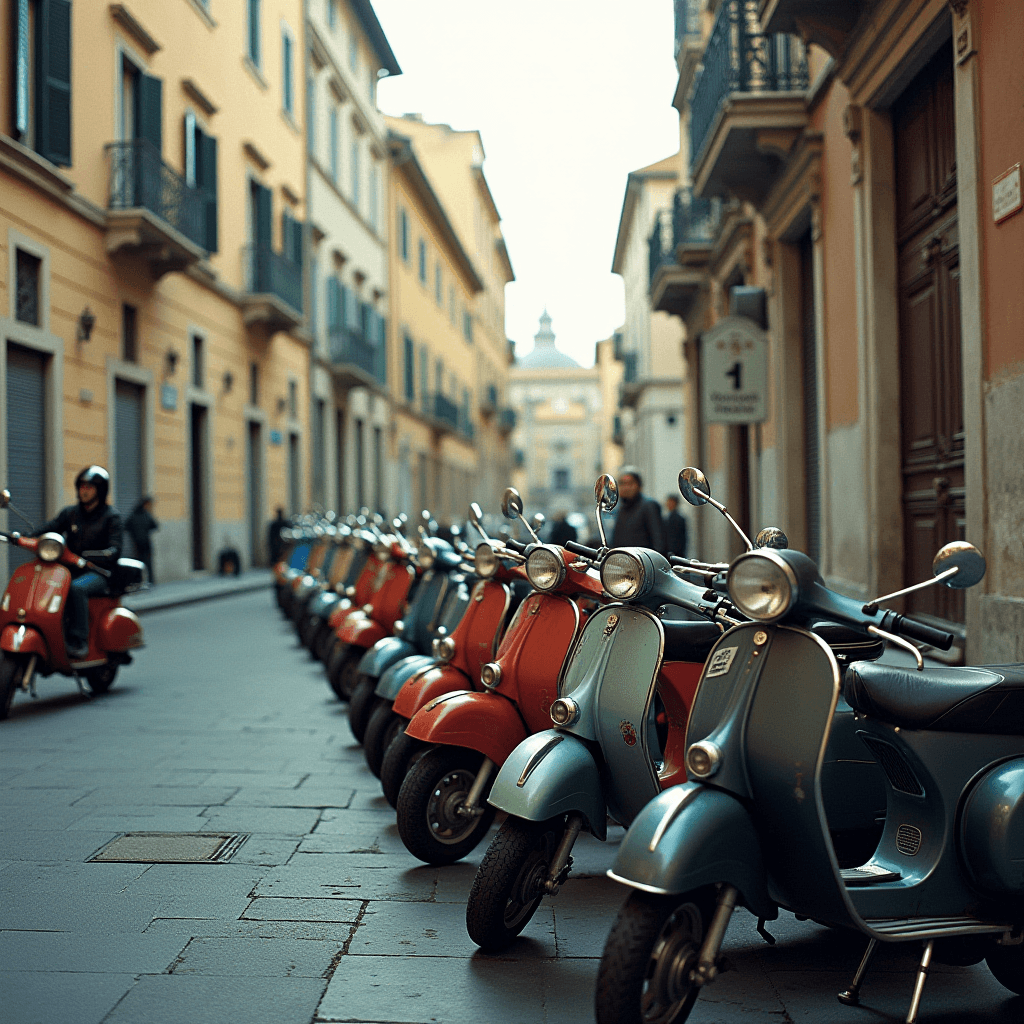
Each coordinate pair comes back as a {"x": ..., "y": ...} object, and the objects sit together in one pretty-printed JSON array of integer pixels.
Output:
[
  {"x": 383, "y": 654},
  {"x": 691, "y": 836},
  {"x": 395, "y": 677},
  {"x": 549, "y": 774}
]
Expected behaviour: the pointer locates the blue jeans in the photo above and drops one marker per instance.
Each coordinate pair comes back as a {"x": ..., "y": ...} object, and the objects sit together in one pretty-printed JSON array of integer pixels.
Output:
[{"x": 76, "y": 618}]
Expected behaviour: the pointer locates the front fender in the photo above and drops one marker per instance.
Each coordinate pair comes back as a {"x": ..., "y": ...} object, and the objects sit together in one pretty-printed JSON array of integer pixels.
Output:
[
  {"x": 340, "y": 612},
  {"x": 561, "y": 776},
  {"x": 383, "y": 654},
  {"x": 363, "y": 632},
  {"x": 691, "y": 836},
  {"x": 392, "y": 681},
  {"x": 480, "y": 721},
  {"x": 419, "y": 690},
  {"x": 322, "y": 604},
  {"x": 23, "y": 640}
]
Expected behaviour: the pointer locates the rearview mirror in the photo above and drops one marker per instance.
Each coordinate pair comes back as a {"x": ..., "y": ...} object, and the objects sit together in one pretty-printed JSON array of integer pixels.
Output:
[
  {"x": 476, "y": 514},
  {"x": 511, "y": 504},
  {"x": 606, "y": 492},
  {"x": 692, "y": 480},
  {"x": 965, "y": 558},
  {"x": 771, "y": 537},
  {"x": 5, "y": 498}
]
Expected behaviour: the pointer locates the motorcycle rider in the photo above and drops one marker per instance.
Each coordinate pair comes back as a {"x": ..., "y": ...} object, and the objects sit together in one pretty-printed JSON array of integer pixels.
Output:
[{"x": 91, "y": 526}]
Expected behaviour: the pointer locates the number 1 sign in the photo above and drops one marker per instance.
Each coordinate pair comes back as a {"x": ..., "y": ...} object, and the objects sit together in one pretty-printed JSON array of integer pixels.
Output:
[{"x": 734, "y": 372}]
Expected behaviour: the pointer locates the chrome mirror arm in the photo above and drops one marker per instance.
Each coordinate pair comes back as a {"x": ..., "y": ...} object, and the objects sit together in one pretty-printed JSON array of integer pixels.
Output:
[
  {"x": 725, "y": 512},
  {"x": 899, "y": 642},
  {"x": 872, "y": 606}
]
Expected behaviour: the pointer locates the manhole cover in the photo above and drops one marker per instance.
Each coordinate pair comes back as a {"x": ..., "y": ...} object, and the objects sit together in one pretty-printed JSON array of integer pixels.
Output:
[{"x": 172, "y": 847}]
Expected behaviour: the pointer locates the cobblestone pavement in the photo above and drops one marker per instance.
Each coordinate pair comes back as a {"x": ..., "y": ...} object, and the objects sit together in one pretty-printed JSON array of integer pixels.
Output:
[{"x": 224, "y": 724}]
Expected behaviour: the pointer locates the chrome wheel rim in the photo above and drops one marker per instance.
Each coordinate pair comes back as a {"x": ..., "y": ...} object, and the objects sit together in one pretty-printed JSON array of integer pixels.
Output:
[
  {"x": 444, "y": 822},
  {"x": 667, "y": 987}
]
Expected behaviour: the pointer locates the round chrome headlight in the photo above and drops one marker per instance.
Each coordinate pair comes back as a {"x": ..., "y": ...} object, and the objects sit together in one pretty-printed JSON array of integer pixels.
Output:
[
  {"x": 51, "y": 547},
  {"x": 545, "y": 568},
  {"x": 485, "y": 560},
  {"x": 490, "y": 675},
  {"x": 564, "y": 711},
  {"x": 424, "y": 556},
  {"x": 703, "y": 759},
  {"x": 762, "y": 585},
  {"x": 443, "y": 648},
  {"x": 622, "y": 575}
]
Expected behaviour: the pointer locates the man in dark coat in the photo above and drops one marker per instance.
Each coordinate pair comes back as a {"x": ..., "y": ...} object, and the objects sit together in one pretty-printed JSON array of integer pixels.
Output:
[
  {"x": 139, "y": 525},
  {"x": 561, "y": 530},
  {"x": 639, "y": 519},
  {"x": 675, "y": 528},
  {"x": 276, "y": 545},
  {"x": 92, "y": 529}
]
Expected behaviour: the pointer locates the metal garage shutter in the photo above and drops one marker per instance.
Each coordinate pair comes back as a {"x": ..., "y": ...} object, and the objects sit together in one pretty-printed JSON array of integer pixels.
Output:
[
  {"x": 128, "y": 479},
  {"x": 26, "y": 441}
]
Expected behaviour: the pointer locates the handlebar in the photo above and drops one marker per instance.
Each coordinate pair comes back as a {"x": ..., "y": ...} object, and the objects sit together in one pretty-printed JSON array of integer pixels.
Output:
[
  {"x": 516, "y": 545},
  {"x": 582, "y": 549},
  {"x": 914, "y": 630}
]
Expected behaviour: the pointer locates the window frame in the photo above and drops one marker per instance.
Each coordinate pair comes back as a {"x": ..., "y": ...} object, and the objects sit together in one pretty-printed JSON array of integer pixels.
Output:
[{"x": 287, "y": 70}]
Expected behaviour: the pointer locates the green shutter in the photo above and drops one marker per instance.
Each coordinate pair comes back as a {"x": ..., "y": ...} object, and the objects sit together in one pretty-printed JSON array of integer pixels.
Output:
[
  {"x": 22, "y": 86},
  {"x": 53, "y": 81},
  {"x": 206, "y": 179},
  {"x": 263, "y": 217},
  {"x": 151, "y": 114}
]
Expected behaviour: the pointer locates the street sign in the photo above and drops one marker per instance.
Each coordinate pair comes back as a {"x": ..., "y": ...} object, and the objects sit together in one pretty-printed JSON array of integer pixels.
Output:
[{"x": 734, "y": 372}]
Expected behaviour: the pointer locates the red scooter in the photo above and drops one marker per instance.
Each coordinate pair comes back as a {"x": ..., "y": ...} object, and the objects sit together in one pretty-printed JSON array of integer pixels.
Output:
[
  {"x": 31, "y": 618},
  {"x": 442, "y": 803}
]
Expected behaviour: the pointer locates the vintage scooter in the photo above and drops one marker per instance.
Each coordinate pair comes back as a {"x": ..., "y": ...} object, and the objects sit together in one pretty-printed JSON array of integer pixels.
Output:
[
  {"x": 336, "y": 568},
  {"x": 750, "y": 828},
  {"x": 292, "y": 564},
  {"x": 442, "y": 810},
  {"x": 31, "y": 617},
  {"x": 432, "y": 612},
  {"x": 500, "y": 588}
]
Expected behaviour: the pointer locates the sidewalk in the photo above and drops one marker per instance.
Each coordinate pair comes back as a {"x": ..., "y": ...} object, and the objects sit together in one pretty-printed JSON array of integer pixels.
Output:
[{"x": 205, "y": 587}]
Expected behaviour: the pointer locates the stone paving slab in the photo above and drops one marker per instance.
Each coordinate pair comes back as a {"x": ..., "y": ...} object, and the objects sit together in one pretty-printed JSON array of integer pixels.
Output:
[
  {"x": 272, "y": 908},
  {"x": 64, "y": 952},
  {"x": 50, "y": 845},
  {"x": 84, "y": 913},
  {"x": 66, "y": 877},
  {"x": 42, "y": 997},
  {"x": 257, "y": 957}
]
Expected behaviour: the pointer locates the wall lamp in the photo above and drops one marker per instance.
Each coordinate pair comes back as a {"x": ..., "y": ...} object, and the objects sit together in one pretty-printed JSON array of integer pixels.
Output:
[
  {"x": 229, "y": 381},
  {"x": 86, "y": 322},
  {"x": 282, "y": 404},
  {"x": 170, "y": 361}
]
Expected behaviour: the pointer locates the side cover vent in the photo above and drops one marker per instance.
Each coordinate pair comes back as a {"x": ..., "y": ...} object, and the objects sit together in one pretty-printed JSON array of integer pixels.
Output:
[
  {"x": 908, "y": 840},
  {"x": 900, "y": 775}
]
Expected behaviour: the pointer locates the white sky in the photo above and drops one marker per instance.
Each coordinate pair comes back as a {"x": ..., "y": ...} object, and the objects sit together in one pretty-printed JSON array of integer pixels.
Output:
[{"x": 569, "y": 97}]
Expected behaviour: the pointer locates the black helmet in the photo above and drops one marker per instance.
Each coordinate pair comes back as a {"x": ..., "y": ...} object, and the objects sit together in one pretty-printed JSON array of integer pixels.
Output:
[{"x": 98, "y": 477}]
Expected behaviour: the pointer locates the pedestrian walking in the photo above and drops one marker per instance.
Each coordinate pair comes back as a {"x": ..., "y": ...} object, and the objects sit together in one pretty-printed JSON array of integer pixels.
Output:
[
  {"x": 675, "y": 528},
  {"x": 139, "y": 525},
  {"x": 638, "y": 523},
  {"x": 274, "y": 543},
  {"x": 561, "y": 530}
]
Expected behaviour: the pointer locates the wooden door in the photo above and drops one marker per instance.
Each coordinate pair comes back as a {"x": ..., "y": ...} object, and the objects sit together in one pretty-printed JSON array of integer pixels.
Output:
[{"x": 931, "y": 391}]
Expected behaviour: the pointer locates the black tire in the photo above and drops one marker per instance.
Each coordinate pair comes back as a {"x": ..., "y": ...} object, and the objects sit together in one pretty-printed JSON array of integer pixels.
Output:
[
  {"x": 307, "y": 631},
  {"x": 428, "y": 819},
  {"x": 507, "y": 889},
  {"x": 341, "y": 670},
  {"x": 10, "y": 679},
  {"x": 399, "y": 756},
  {"x": 101, "y": 678},
  {"x": 361, "y": 705},
  {"x": 323, "y": 641},
  {"x": 1007, "y": 966},
  {"x": 648, "y": 956},
  {"x": 380, "y": 731}
]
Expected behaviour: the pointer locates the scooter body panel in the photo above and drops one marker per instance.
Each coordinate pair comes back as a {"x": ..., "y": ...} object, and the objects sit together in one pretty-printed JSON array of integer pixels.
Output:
[
  {"x": 483, "y": 722},
  {"x": 549, "y": 774},
  {"x": 422, "y": 688},
  {"x": 383, "y": 654},
  {"x": 691, "y": 836},
  {"x": 402, "y": 671},
  {"x": 361, "y": 631},
  {"x": 24, "y": 640},
  {"x": 479, "y": 630},
  {"x": 340, "y": 612},
  {"x": 35, "y": 597},
  {"x": 322, "y": 605},
  {"x": 113, "y": 629}
]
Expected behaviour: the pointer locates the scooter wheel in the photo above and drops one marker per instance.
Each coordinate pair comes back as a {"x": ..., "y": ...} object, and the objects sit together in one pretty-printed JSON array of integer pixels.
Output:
[
  {"x": 10, "y": 674},
  {"x": 507, "y": 889},
  {"x": 101, "y": 679},
  {"x": 435, "y": 789},
  {"x": 399, "y": 755},
  {"x": 644, "y": 977},
  {"x": 361, "y": 705},
  {"x": 341, "y": 669},
  {"x": 1007, "y": 966},
  {"x": 381, "y": 729}
]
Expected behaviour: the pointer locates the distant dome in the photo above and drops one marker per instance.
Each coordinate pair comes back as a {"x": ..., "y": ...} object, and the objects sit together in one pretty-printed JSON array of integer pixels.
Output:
[{"x": 544, "y": 355}]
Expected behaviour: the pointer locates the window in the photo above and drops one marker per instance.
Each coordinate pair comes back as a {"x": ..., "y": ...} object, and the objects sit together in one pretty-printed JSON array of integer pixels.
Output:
[
  {"x": 374, "y": 198},
  {"x": 561, "y": 481},
  {"x": 423, "y": 261},
  {"x": 129, "y": 334},
  {"x": 201, "y": 173},
  {"x": 453, "y": 309},
  {"x": 424, "y": 364},
  {"x": 334, "y": 144},
  {"x": 355, "y": 172},
  {"x": 438, "y": 290},
  {"x": 198, "y": 362},
  {"x": 293, "y": 400},
  {"x": 403, "y": 234},
  {"x": 254, "y": 384},
  {"x": 467, "y": 325},
  {"x": 410, "y": 369},
  {"x": 27, "y": 301},
  {"x": 287, "y": 60},
  {"x": 254, "y": 31},
  {"x": 311, "y": 115}
]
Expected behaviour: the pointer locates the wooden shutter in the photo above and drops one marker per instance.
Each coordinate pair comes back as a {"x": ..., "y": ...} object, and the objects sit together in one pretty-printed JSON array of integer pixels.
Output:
[
  {"x": 206, "y": 179},
  {"x": 53, "y": 81},
  {"x": 150, "y": 125},
  {"x": 22, "y": 85},
  {"x": 263, "y": 217},
  {"x": 333, "y": 304}
]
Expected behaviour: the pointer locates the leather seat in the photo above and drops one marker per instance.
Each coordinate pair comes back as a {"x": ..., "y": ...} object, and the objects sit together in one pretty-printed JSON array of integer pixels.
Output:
[
  {"x": 982, "y": 699},
  {"x": 689, "y": 641}
]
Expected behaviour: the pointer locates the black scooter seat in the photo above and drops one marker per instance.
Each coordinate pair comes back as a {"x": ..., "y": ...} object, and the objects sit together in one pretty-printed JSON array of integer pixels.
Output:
[
  {"x": 983, "y": 699},
  {"x": 689, "y": 641}
]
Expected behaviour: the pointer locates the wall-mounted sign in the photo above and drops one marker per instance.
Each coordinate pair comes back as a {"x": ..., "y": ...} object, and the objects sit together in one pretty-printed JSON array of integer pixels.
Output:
[
  {"x": 1006, "y": 194},
  {"x": 734, "y": 372},
  {"x": 275, "y": 437},
  {"x": 168, "y": 397}
]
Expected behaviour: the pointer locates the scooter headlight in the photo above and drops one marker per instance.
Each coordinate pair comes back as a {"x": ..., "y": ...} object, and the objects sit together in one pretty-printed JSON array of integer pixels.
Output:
[
  {"x": 490, "y": 675},
  {"x": 565, "y": 711},
  {"x": 51, "y": 547},
  {"x": 762, "y": 585},
  {"x": 545, "y": 568},
  {"x": 703, "y": 759},
  {"x": 443, "y": 648},
  {"x": 424, "y": 556},
  {"x": 485, "y": 560},
  {"x": 622, "y": 575}
]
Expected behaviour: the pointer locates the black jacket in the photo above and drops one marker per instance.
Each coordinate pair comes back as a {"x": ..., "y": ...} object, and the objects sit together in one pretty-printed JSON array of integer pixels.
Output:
[
  {"x": 639, "y": 525},
  {"x": 97, "y": 530},
  {"x": 675, "y": 534},
  {"x": 139, "y": 525}
]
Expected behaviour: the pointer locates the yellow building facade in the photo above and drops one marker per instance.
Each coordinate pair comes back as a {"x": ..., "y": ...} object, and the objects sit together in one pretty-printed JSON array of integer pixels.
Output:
[{"x": 151, "y": 220}]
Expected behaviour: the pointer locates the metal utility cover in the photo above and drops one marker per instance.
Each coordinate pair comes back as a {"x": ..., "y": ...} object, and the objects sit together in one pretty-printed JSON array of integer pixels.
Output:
[{"x": 172, "y": 847}]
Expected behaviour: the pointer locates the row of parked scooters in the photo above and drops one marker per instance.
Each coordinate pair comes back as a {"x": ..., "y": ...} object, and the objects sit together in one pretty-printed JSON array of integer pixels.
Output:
[{"x": 730, "y": 716}]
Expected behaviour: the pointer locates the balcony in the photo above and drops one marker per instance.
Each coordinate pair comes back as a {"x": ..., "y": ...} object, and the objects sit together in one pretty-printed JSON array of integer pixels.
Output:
[
  {"x": 446, "y": 414},
  {"x": 507, "y": 420},
  {"x": 748, "y": 105},
  {"x": 355, "y": 361},
  {"x": 828, "y": 23},
  {"x": 152, "y": 214},
  {"x": 679, "y": 249},
  {"x": 273, "y": 297},
  {"x": 489, "y": 400}
]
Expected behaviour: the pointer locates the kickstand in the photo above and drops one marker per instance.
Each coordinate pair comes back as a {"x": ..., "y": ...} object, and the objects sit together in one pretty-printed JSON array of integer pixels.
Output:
[
  {"x": 851, "y": 997},
  {"x": 81, "y": 686},
  {"x": 764, "y": 933},
  {"x": 922, "y": 977}
]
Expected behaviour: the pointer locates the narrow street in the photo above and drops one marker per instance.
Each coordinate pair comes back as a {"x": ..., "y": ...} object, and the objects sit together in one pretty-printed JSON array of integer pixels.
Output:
[{"x": 225, "y": 724}]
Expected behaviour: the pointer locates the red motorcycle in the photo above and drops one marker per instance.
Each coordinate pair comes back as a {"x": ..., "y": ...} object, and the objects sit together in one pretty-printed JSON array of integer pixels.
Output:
[{"x": 31, "y": 618}]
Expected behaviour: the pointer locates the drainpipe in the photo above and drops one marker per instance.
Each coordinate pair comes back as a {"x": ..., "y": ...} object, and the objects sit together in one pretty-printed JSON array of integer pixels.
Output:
[{"x": 307, "y": 252}]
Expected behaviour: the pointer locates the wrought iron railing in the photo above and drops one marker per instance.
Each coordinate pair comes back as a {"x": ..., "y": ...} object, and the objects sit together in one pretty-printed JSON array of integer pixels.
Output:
[
  {"x": 687, "y": 22},
  {"x": 346, "y": 346},
  {"x": 446, "y": 411},
  {"x": 741, "y": 58},
  {"x": 691, "y": 221},
  {"x": 139, "y": 179},
  {"x": 268, "y": 272},
  {"x": 630, "y": 367}
]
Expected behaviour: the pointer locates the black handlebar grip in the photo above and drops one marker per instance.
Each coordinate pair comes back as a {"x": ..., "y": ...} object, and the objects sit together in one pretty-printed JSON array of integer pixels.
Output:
[
  {"x": 581, "y": 549},
  {"x": 915, "y": 630},
  {"x": 515, "y": 545}
]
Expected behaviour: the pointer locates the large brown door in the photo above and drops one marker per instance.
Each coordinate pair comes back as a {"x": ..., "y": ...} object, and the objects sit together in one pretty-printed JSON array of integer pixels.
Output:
[{"x": 931, "y": 392}]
